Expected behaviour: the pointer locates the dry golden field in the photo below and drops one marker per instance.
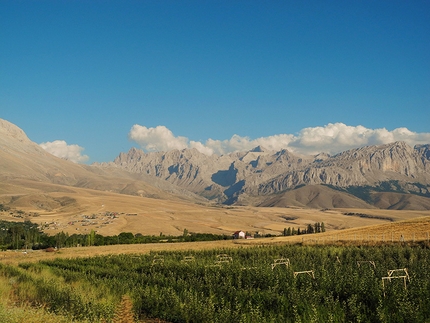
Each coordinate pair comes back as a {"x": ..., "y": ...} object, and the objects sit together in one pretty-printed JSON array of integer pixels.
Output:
[
  {"x": 80, "y": 210},
  {"x": 414, "y": 230}
]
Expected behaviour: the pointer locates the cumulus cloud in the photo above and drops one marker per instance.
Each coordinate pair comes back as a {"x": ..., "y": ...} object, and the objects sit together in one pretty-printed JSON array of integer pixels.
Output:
[
  {"x": 157, "y": 139},
  {"x": 331, "y": 138},
  {"x": 61, "y": 149}
]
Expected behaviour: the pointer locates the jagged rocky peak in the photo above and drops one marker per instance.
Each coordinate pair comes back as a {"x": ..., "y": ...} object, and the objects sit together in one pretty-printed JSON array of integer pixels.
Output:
[
  {"x": 283, "y": 153},
  {"x": 132, "y": 154},
  {"x": 261, "y": 171},
  {"x": 135, "y": 152},
  {"x": 398, "y": 151},
  {"x": 258, "y": 149},
  {"x": 253, "y": 155},
  {"x": 376, "y": 151},
  {"x": 423, "y": 150},
  {"x": 188, "y": 153},
  {"x": 321, "y": 157},
  {"x": 398, "y": 147}
]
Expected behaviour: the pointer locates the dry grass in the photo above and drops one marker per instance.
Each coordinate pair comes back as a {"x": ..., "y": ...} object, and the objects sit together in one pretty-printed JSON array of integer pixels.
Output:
[
  {"x": 413, "y": 230},
  {"x": 124, "y": 312},
  {"x": 171, "y": 217},
  {"x": 417, "y": 229}
]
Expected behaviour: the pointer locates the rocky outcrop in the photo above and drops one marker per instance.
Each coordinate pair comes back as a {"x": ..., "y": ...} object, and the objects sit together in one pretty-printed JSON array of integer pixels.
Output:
[
  {"x": 261, "y": 172},
  {"x": 358, "y": 167}
]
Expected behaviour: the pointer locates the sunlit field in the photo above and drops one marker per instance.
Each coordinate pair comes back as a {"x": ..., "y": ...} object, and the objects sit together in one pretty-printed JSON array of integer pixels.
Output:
[{"x": 289, "y": 283}]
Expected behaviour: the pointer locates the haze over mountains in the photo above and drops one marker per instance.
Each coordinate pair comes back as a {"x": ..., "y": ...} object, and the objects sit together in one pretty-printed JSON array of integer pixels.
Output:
[{"x": 391, "y": 176}]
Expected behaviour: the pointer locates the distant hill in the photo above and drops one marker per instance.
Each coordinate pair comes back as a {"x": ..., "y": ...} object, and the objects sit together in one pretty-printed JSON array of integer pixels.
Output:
[
  {"x": 25, "y": 166},
  {"x": 316, "y": 196},
  {"x": 398, "y": 201}
]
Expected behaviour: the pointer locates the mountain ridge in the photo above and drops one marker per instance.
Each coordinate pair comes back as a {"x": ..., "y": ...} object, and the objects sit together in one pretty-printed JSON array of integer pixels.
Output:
[
  {"x": 22, "y": 159},
  {"x": 258, "y": 177},
  {"x": 234, "y": 178}
]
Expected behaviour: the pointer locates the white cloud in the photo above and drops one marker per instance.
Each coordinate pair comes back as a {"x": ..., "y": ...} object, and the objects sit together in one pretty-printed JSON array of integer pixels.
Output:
[
  {"x": 61, "y": 149},
  {"x": 331, "y": 138},
  {"x": 202, "y": 148},
  {"x": 156, "y": 139}
]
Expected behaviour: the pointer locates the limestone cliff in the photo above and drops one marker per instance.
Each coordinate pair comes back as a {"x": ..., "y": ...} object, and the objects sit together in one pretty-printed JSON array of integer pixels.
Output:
[{"x": 260, "y": 172}]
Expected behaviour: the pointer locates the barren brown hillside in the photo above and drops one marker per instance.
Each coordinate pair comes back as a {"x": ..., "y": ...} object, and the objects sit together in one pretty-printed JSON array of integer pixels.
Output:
[
  {"x": 316, "y": 196},
  {"x": 395, "y": 201},
  {"x": 24, "y": 165},
  {"x": 78, "y": 210}
]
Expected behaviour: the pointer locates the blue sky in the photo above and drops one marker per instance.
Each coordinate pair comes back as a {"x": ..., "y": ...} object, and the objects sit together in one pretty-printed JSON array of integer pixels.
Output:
[{"x": 215, "y": 75}]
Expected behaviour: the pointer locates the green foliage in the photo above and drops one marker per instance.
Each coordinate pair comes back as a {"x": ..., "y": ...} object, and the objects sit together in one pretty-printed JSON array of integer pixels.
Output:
[
  {"x": 246, "y": 289},
  {"x": 317, "y": 227},
  {"x": 18, "y": 235}
]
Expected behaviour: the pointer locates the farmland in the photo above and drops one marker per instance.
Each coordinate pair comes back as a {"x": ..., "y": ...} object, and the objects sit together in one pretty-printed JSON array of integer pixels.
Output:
[
  {"x": 272, "y": 283},
  {"x": 335, "y": 276}
]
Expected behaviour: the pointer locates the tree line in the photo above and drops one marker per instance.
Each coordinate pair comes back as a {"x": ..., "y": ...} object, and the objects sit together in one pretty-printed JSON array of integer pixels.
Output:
[
  {"x": 27, "y": 235},
  {"x": 317, "y": 227}
]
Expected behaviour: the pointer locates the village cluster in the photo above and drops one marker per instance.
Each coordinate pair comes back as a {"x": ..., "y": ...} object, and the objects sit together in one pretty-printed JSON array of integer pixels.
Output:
[{"x": 99, "y": 220}]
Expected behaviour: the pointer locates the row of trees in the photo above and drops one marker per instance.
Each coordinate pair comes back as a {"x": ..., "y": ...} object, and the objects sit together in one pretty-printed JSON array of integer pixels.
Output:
[
  {"x": 316, "y": 228},
  {"x": 18, "y": 235},
  {"x": 27, "y": 235},
  {"x": 93, "y": 239}
]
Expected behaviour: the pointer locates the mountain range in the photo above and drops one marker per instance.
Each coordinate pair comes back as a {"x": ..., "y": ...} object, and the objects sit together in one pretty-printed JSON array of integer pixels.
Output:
[{"x": 391, "y": 176}]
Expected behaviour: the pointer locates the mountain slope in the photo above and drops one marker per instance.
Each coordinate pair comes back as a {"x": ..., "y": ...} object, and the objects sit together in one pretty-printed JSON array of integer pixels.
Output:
[
  {"x": 21, "y": 159},
  {"x": 396, "y": 201},
  {"x": 315, "y": 196},
  {"x": 358, "y": 167}
]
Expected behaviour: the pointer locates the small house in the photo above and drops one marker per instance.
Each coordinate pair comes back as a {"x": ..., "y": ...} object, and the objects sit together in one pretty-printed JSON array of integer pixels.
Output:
[{"x": 239, "y": 235}]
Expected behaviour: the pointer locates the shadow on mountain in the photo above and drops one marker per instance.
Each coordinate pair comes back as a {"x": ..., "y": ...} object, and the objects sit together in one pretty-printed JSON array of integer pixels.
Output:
[
  {"x": 234, "y": 188},
  {"x": 225, "y": 177}
]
